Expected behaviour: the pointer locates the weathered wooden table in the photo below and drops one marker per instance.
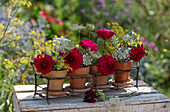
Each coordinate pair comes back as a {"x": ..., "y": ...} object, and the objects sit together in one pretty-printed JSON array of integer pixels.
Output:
[{"x": 149, "y": 100}]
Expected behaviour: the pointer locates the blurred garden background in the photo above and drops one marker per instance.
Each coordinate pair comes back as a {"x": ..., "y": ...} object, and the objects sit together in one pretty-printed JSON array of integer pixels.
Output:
[{"x": 25, "y": 25}]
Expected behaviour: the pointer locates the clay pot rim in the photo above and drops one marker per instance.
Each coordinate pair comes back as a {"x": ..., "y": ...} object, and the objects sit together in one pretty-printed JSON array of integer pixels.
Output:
[
  {"x": 57, "y": 70},
  {"x": 127, "y": 61}
]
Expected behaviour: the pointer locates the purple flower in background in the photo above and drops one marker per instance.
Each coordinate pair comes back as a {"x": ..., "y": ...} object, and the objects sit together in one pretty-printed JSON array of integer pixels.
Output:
[
  {"x": 106, "y": 13},
  {"x": 128, "y": 2},
  {"x": 151, "y": 44},
  {"x": 120, "y": 13},
  {"x": 149, "y": 18},
  {"x": 114, "y": 0},
  {"x": 94, "y": 10},
  {"x": 98, "y": 24},
  {"x": 116, "y": 17},
  {"x": 156, "y": 49},
  {"x": 101, "y": 4},
  {"x": 126, "y": 11},
  {"x": 129, "y": 20},
  {"x": 164, "y": 26},
  {"x": 2, "y": 51},
  {"x": 83, "y": 11},
  {"x": 137, "y": 29},
  {"x": 144, "y": 41}
]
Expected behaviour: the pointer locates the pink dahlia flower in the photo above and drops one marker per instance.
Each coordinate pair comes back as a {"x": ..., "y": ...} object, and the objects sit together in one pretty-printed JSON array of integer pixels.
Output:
[
  {"x": 105, "y": 34},
  {"x": 87, "y": 43}
]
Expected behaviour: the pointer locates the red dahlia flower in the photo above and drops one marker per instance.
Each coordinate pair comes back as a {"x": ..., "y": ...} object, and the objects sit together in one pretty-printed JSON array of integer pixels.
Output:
[
  {"x": 87, "y": 43},
  {"x": 74, "y": 58},
  {"x": 90, "y": 96},
  {"x": 105, "y": 34},
  {"x": 137, "y": 53},
  {"x": 106, "y": 64},
  {"x": 44, "y": 63}
]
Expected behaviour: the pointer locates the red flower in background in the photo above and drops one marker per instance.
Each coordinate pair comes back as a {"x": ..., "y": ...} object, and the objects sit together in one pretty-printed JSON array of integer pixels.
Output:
[
  {"x": 44, "y": 14},
  {"x": 33, "y": 22},
  {"x": 90, "y": 96},
  {"x": 74, "y": 58},
  {"x": 137, "y": 53},
  {"x": 106, "y": 65},
  {"x": 105, "y": 34},
  {"x": 44, "y": 63},
  {"x": 87, "y": 43},
  {"x": 59, "y": 22},
  {"x": 51, "y": 19}
]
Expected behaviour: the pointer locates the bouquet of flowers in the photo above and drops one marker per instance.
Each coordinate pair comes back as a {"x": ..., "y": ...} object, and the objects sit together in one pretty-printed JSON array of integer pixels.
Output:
[{"x": 51, "y": 56}]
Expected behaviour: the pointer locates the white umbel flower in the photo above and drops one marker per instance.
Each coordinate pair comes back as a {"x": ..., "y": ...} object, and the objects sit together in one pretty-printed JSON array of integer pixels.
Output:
[
  {"x": 77, "y": 27},
  {"x": 122, "y": 53},
  {"x": 87, "y": 59},
  {"x": 115, "y": 105},
  {"x": 127, "y": 38},
  {"x": 61, "y": 44}
]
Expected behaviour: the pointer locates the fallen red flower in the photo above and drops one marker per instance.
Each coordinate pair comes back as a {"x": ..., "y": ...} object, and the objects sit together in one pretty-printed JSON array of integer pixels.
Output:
[{"x": 90, "y": 96}]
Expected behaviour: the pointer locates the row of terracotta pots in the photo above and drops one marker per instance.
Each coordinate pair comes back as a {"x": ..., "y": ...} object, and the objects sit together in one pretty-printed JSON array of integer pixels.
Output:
[{"x": 78, "y": 77}]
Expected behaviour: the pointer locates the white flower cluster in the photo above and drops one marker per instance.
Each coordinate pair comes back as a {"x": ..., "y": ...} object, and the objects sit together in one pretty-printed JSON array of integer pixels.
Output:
[
  {"x": 61, "y": 44},
  {"x": 127, "y": 38},
  {"x": 87, "y": 59},
  {"x": 122, "y": 53},
  {"x": 77, "y": 27},
  {"x": 115, "y": 105},
  {"x": 114, "y": 41}
]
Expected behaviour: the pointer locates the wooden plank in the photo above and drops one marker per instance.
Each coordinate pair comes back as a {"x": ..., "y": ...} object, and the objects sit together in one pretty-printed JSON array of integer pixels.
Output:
[
  {"x": 148, "y": 100},
  {"x": 142, "y": 90},
  {"x": 77, "y": 102},
  {"x": 31, "y": 88},
  {"x": 16, "y": 102}
]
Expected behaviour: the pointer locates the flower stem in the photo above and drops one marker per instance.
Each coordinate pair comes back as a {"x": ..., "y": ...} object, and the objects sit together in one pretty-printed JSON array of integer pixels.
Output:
[
  {"x": 104, "y": 46},
  {"x": 89, "y": 35},
  {"x": 9, "y": 23}
]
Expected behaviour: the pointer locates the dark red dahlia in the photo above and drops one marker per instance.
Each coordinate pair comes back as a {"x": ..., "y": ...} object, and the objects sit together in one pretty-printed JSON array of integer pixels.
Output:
[
  {"x": 137, "y": 53},
  {"x": 87, "y": 43},
  {"x": 106, "y": 65},
  {"x": 74, "y": 59},
  {"x": 105, "y": 34},
  {"x": 90, "y": 96},
  {"x": 44, "y": 63}
]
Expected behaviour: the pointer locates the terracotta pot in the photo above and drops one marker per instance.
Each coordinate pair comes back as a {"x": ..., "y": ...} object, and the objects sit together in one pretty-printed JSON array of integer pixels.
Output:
[
  {"x": 93, "y": 69},
  {"x": 56, "y": 84},
  {"x": 78, "y": 82},
  {"x": 124, "y": 76},
  {"x": 99, "y": 79}
]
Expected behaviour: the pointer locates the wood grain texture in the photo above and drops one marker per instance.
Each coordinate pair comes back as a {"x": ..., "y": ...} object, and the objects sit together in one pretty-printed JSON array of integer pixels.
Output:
[{"x": 149, "y": 99}]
